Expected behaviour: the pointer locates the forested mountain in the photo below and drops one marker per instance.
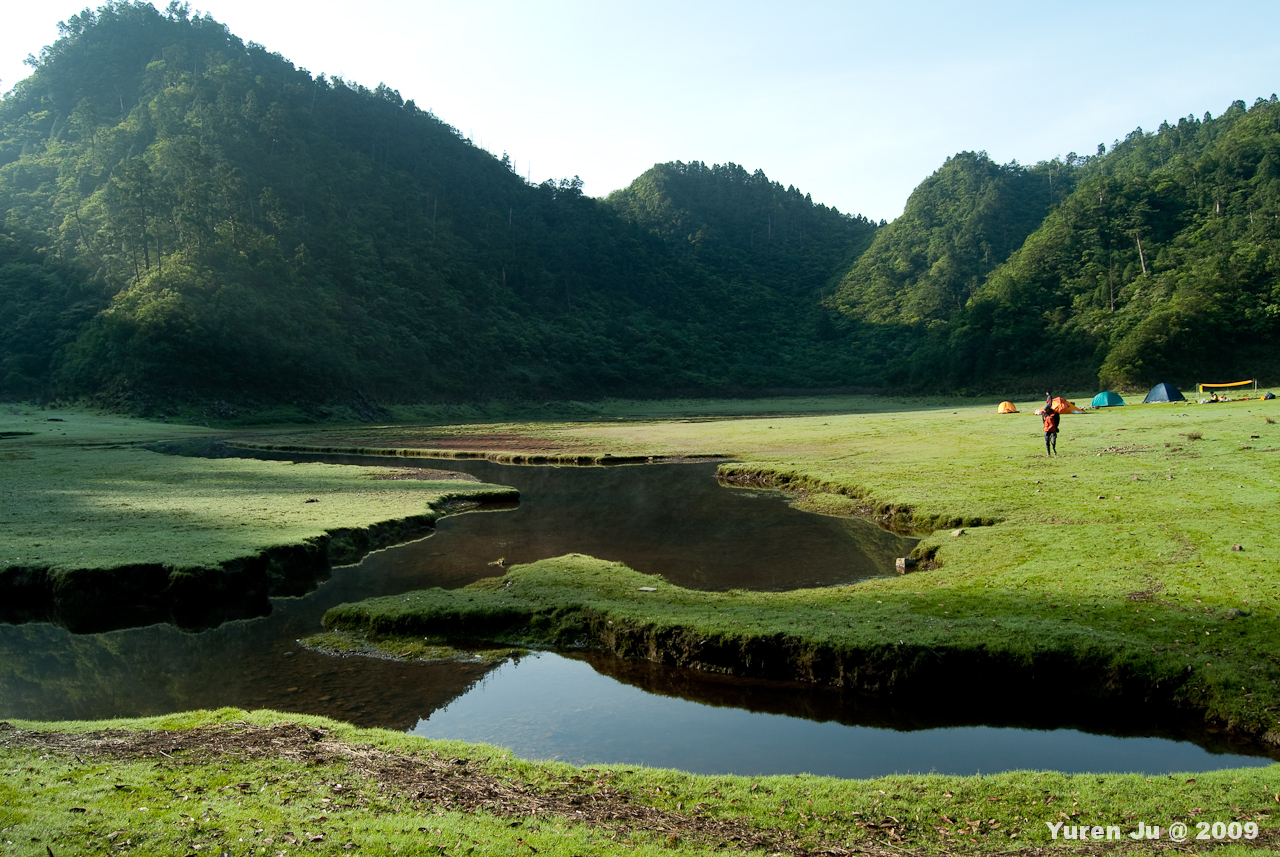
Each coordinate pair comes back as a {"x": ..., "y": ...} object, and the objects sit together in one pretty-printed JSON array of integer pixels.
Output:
[
  {"x": 1158, "y": 260},
  {"x": 775, "y": 254},
  {"x": 959, "y": 225},
  {"x": 188, "y": 215}
]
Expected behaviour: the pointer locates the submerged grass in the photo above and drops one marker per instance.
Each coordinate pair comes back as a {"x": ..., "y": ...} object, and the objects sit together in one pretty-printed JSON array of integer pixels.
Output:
[
  {"x": 402, "y": 648},
  {"x": 259, "y": 782}
]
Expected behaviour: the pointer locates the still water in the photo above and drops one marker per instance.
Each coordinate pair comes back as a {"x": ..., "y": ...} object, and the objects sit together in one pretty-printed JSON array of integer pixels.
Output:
[
  {"x": 675, "y": 520},
  {"x": 551, "y": 707}
]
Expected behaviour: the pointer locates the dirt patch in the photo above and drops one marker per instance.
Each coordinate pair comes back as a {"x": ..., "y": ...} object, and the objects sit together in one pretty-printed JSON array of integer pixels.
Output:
[{"x": 458, "y": 784}]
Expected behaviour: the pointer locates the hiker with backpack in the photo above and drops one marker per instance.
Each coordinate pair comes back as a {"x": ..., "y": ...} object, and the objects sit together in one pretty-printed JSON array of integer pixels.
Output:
[{"x": 1050, "y": 431}]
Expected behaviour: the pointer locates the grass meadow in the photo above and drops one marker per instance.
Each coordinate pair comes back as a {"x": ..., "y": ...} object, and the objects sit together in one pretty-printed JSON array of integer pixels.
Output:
[{"x": 1147, "y": 547}]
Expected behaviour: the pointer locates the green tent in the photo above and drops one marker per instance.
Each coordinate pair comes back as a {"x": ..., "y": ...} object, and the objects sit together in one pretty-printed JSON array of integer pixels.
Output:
[{"x": 1107, "y": 400}]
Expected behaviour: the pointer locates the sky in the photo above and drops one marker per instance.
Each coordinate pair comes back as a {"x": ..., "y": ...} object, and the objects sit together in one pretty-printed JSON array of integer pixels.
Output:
[{"x": 852, "y": 102}]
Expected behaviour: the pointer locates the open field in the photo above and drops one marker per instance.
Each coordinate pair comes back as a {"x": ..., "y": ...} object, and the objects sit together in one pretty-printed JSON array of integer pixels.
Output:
[{"x": 265, "y": 783}]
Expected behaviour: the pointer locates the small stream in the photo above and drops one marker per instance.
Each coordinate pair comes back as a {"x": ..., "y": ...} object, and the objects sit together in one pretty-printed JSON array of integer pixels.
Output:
[{"x": 674, "y": 520}]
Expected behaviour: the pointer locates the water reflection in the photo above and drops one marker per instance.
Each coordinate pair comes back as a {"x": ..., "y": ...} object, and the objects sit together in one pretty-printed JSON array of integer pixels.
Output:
[
  {"x": 551, "y": 707},
  {"x": 670, "y": 519},
  {"x": 675, "y": 520}
]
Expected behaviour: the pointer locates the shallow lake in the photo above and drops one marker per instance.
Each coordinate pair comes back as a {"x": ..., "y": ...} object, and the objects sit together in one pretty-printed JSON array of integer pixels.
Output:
[{"x": 670, "y": 519}]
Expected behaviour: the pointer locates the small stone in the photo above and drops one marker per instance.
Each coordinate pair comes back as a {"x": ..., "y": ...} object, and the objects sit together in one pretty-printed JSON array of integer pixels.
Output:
[
  {"x": 288, "y": 654},
  {"x": 959, "y": 532},
  {"x": 1101, "y": 497},
  {"x": 1237, "y": 547},
  {"x": 648, "y": 589}
]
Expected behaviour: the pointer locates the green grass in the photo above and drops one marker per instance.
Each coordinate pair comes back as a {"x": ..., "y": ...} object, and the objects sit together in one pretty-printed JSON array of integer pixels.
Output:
[
  {"x": 337, "y": 789},
  {"x": 869, "y": 635},
  {"x": 78, "y": 494}
]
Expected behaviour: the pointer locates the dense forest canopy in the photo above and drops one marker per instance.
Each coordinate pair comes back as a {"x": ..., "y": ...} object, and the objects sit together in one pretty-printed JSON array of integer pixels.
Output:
[
  {"x": 1162, "y": 263},
  {"x": 189, "y": 217}
]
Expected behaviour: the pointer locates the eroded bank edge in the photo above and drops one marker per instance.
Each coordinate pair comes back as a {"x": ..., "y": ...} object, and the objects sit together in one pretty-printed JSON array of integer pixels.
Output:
[
  {"x": 898, "y": 517},
  {"x": 92, "y": 600},
  {"x": 594, "y": 604}
]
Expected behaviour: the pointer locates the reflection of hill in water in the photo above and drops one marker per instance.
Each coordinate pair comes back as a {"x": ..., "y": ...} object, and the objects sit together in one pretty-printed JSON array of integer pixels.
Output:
[
  {"x": 47, "y": 673},
  {"x": 1028, "y": 708}
]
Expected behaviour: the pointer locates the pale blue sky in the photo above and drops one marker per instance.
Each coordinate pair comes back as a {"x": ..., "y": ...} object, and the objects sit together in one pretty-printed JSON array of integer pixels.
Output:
[{"x": 854, "y": 103}]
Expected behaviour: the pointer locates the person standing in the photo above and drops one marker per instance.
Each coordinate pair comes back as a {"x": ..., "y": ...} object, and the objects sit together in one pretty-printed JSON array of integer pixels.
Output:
[{"x": 1050, "y": 431}]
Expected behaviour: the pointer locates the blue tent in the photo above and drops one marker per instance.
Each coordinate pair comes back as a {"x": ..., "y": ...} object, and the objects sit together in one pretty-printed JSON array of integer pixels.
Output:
[
  {"x": 1164, "y": 393},
  {"x": 1107, "y": 400}
]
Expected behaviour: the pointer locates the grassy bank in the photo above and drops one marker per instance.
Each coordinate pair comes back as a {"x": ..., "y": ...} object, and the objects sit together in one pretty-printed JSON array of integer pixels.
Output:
[
  {"x": 874, "y": 636},
  {"x": 1118, "y": 553},
  {"x": 264, "y": 783},
  {"x": 94, "y": 524}
]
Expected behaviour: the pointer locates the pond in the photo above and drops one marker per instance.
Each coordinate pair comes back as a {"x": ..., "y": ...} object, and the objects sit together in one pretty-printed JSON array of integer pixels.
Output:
[
  {"x": 553, "y": 707},
  {"x": 670, "y": 519}
]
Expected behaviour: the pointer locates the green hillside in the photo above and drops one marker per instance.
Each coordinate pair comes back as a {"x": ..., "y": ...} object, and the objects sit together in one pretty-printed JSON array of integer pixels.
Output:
[
  {"x": 1158, "y": 260},
  {"x": 189, "y": 216},
  {"x": 959, "y": 225}
]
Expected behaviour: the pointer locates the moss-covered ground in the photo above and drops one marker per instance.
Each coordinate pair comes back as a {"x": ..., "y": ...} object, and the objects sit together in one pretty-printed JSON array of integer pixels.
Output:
[
  {"x": 404, "y": 648},
  {"x": 262, "y": 783}
]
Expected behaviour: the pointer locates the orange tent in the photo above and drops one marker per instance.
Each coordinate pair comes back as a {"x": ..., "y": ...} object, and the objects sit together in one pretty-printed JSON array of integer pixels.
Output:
[
  {"x": 1062, "y": 406},
  {"x": 1006, "y": 408}
]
